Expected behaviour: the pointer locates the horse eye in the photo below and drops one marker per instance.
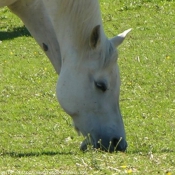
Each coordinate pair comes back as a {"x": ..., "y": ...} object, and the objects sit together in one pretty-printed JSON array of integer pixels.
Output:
[{"x": 101, "y": 85}]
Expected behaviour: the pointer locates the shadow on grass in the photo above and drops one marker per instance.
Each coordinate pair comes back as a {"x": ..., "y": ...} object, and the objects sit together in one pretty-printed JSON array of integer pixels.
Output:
[
  {"x": 34, "y": 154},
  {"x": 16, "y": 32},
  {"x": 53, "y": 153},
  {"x": 154, "y": 152}
]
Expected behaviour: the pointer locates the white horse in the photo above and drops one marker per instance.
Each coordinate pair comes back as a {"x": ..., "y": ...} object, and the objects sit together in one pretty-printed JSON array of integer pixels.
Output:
[{"x": 72, "y": 35}]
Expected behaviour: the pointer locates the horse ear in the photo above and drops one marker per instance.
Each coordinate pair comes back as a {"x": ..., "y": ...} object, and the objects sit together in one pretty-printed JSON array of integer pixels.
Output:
[
  {"x": 95, "y": 37},
  {"x": 117, "y": 40}
]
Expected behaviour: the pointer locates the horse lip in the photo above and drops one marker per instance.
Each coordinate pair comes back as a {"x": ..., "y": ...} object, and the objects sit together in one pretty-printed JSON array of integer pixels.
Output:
[
  {"x": 83, "y": 146},
  {"x": 86, "y": 142}
]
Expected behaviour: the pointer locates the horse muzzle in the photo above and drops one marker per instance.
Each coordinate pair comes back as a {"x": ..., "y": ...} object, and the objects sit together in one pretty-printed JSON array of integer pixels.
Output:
[{"x": 112, "y": 145}]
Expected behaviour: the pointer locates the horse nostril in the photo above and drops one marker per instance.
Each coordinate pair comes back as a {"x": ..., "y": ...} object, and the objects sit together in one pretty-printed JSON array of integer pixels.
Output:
[
  {"x": 116, "y": 141},
  {"x": 119, "y": 144}
]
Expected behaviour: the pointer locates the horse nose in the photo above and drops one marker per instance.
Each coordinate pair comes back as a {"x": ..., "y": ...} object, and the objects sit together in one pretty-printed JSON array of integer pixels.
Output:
[
  {"x": 119, "y": 144},
  {"x": 115, "y": 144}
]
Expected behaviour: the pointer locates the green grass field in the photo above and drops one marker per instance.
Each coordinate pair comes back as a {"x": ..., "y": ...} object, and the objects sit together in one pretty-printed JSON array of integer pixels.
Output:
[{"x": 36, "y": 135}]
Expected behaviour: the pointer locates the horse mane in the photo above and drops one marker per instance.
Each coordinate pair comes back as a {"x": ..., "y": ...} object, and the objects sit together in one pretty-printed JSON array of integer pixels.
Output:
[{"x": 83, "y": 16}]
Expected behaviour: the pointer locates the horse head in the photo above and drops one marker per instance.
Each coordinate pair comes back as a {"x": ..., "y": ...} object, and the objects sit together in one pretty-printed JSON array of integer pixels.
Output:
[{"x": 88, "y": 90}]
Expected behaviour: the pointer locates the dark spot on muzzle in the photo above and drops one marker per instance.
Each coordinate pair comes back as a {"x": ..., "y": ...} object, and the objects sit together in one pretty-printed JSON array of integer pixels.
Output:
[
  {"x": 118, "y": 144},
  {"x": 45, "y": 47}
]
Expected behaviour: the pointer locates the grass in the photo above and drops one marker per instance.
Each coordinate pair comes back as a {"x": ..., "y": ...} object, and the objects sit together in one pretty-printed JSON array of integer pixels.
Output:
[{"x": 36, "y": 135}]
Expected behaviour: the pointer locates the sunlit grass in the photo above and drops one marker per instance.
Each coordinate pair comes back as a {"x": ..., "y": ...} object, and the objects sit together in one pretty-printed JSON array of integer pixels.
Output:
[{"x": 36, "y": 136}]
